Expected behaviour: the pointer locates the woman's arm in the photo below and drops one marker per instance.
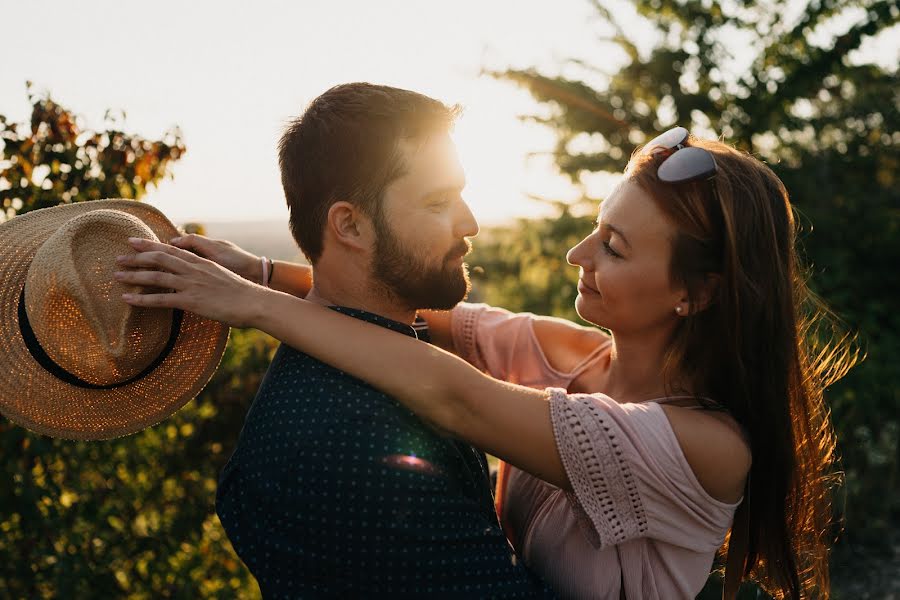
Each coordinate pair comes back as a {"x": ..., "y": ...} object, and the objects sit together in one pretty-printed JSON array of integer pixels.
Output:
[
  {"x": 564, "y": 344},
  {"x": 291, "y": 278},
  {"x": 509, "y": 421},
  {"x": 440, "y": 328}
]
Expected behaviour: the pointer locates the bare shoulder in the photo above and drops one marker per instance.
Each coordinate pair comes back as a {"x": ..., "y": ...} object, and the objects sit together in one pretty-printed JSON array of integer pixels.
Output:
[
  {"x": 714, "y": 449},
  {"x": 566, "y": 344}
]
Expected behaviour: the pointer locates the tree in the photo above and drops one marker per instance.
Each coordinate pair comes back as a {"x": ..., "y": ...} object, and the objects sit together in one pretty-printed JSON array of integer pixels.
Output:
[
  {"x": 55, "y": 160},
  {"x": 826, "y": 123},
  {"x": 134, "y": 515}
]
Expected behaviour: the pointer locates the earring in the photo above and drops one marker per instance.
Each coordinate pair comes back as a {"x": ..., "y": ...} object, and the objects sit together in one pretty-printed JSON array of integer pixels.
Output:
[{"x": 678, "y": 309}]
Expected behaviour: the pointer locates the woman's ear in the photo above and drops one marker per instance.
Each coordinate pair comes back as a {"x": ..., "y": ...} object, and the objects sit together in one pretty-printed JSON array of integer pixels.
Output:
[
  {"x": 708, "y": 292},
  {"x": 349, "y": 226},
  {"x": 705, "y": 296}
]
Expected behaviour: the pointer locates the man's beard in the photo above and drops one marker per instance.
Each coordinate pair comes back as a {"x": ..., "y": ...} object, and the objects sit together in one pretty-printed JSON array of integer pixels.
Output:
[{"x": 411, "y": 280}]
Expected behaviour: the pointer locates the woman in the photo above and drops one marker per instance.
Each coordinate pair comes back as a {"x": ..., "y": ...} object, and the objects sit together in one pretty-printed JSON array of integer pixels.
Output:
[{"x": 710, "y": 398}]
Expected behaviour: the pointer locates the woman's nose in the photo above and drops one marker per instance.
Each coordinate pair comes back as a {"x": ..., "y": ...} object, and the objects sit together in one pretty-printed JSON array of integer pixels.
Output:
[{"x": 576, "y": 256}]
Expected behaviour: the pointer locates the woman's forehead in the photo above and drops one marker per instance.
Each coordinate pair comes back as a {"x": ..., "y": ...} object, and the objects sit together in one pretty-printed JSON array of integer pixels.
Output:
[
  {"x": 623, "y": 200},
  {"x": 632, "y": 210}
]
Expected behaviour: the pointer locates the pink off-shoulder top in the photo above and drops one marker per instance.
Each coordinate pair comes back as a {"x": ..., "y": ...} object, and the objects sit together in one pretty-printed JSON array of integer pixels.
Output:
[{"x": 638, "y": 524}]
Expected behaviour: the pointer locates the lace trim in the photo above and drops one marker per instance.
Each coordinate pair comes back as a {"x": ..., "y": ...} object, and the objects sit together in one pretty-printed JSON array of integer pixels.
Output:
[
  {"x": 584, "y": 521},
  {"x": 590, "y": 449},
  {"x": 465, "y": 320}
]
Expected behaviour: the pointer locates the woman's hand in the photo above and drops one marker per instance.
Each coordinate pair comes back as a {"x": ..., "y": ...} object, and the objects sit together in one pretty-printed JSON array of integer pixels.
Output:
[
  {"x": 195, "y": 284},
  {"x": 222, "y": 252}
]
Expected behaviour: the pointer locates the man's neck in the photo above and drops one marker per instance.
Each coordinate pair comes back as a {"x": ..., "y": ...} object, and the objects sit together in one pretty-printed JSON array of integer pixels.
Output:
[{"x": 362, "y": 299}]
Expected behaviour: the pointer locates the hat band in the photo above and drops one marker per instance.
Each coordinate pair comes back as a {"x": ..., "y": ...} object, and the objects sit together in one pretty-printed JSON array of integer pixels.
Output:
[{"x": 45, "y": 361}]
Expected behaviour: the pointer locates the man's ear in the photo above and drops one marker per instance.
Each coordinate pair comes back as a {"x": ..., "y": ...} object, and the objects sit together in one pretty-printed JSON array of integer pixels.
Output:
[{"x": 349, "y": 226}]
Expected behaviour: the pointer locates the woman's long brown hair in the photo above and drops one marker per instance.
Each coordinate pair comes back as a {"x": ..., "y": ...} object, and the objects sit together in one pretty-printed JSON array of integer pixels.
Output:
[{"x": 763, "y": 347}]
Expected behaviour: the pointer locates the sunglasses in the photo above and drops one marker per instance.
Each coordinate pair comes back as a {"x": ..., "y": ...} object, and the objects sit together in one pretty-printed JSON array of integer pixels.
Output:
[{"x": 684, "y": 163}]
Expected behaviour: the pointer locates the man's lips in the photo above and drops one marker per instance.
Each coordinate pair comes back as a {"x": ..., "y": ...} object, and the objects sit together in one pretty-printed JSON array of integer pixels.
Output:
[{"x": 460, "y": 252}]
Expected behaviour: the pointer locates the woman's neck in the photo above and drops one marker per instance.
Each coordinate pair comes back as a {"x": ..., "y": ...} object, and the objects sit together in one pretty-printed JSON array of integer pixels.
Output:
[{"x": 636, "y": 369}]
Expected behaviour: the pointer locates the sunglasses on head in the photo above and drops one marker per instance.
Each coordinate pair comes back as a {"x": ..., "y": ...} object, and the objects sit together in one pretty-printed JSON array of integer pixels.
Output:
[{"x": 684, "y": 163}]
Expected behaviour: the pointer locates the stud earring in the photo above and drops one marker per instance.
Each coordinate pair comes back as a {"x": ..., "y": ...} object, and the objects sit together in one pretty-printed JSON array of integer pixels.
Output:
[{"x": 678, "y": 309}]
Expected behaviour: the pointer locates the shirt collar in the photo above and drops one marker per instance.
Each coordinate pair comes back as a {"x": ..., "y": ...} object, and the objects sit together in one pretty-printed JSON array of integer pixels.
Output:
[{"x": 378, "y": 320}]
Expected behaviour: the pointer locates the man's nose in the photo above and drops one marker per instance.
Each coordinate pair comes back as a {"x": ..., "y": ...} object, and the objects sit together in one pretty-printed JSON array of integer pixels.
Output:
[{"x": 466, "y": 225}]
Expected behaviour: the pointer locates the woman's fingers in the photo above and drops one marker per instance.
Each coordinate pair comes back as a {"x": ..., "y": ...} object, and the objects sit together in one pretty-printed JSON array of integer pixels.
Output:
[
  {"x": 158, "y": 254},
  {"x": 155, "y": 300},
  {"x": 185, "y": 254},
  {"x": 156, "y": 259},
  {"x": 149, "y": 278},
  {"x": 202, "y": 287},
  {"x": 222, "y": 252},
  {"x": 192, "y": 242}
]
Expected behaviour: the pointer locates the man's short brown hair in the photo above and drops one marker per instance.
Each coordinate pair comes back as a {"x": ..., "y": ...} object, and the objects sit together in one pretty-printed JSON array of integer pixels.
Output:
[{"x": 346, "y": 146}]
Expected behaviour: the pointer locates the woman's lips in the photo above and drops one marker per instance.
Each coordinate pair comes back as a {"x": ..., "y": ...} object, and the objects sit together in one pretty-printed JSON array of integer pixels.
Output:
[{"x": 585, "y": 288}]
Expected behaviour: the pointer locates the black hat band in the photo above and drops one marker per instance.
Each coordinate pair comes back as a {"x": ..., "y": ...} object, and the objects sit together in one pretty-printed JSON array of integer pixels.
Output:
[{"x": 34, "y": 347}]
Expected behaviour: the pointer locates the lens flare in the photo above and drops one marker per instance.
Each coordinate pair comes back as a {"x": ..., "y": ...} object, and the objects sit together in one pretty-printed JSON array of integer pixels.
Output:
[{"x": 410, "y": 462}]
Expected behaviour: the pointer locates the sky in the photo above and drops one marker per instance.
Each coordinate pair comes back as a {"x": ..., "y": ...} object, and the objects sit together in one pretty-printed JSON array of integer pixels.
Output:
[{"x": 231, "y": 74}]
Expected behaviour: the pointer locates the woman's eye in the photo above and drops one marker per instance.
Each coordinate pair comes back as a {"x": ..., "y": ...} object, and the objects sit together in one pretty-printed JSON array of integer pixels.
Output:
[{"x": 608, "y": 249}]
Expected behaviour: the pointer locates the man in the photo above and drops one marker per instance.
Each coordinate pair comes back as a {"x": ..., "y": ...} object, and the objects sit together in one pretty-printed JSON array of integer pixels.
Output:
[{"x": 335, "y": 489}]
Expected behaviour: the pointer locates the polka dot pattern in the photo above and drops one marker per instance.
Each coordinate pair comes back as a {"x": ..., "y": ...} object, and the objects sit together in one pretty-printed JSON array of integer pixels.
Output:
[{"x": 337, "y": 490}]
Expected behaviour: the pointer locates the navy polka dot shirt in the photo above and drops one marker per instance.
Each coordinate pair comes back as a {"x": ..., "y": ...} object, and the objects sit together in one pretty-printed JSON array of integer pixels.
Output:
[{"x": 337, "y": 490}]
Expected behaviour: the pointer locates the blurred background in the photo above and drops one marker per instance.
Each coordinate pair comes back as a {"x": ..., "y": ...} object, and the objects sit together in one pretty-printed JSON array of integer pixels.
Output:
[{"x": 180, "y": 105}]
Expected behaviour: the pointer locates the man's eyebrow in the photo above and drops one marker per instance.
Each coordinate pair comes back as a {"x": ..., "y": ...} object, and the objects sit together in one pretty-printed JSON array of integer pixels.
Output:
[
  {"x": 443, "y": 189},
  {"x": 615, "y": 230}
]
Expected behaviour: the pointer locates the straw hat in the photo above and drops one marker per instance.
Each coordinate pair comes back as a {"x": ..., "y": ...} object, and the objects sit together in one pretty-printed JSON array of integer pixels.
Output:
[{"x": 76, "y": 361}]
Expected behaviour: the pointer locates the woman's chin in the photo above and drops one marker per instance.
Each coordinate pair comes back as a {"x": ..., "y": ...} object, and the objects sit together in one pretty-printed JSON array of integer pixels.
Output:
[{"x": 584, "y": 310}]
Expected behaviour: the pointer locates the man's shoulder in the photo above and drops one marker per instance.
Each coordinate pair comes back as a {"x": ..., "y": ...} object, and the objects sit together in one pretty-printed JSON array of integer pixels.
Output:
[
  {"x": 304, "y": 374},
  {"x": 297, "y": 383}
]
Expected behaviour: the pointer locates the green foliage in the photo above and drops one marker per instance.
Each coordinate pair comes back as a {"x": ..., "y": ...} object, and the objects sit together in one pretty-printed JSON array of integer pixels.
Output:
[
  {"x": 133, "y": 516},
  {"x": 829, "y": 128},
  {"x": 55, "y": 160}
]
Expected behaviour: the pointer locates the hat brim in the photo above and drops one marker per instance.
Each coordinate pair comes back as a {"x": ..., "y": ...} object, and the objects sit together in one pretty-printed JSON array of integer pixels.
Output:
[{"x": 34, "y": 398}]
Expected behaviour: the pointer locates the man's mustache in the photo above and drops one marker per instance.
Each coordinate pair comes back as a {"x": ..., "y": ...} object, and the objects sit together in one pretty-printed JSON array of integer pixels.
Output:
[{"x": 461, "y": 249}]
